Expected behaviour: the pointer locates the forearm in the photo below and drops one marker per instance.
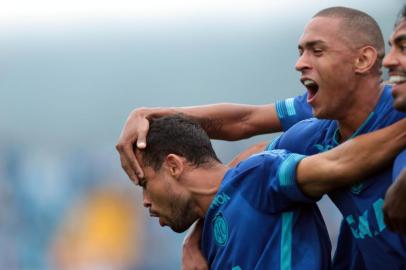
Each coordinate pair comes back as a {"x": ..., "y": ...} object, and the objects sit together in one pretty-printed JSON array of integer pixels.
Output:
[
  {"x": 226, "y": 121},
  {"x": 351, "y": 161},
  {"x": 221, "y": 121}
]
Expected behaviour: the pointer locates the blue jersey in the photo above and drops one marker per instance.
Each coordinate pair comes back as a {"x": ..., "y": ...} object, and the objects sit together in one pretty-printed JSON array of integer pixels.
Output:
[
  {"x": 399, "y": 165},
  {"x": 363, "y": 228},
  {"x": 292, "y": 110},
  {"x": 258, "y": 220}
]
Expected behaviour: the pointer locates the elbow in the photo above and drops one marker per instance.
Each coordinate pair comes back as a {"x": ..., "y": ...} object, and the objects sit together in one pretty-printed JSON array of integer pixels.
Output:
[
  {"x": 317, "y": 181},
  {"x": 237, "y": 132},
  {"x": 313, "y": 190}
]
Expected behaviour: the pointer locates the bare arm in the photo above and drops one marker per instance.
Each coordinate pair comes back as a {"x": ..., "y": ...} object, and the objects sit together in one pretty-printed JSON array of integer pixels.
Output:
[
  {"x": 224, "y": 121},
  {"x": 221, "y": 121},
  {"x": 351, "y": 161}
]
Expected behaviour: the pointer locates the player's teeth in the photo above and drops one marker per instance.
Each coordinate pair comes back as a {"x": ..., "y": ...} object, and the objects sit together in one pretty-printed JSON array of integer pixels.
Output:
[
  {"x": 397, "y": 79},
  {"x": 308, "y": 82}
]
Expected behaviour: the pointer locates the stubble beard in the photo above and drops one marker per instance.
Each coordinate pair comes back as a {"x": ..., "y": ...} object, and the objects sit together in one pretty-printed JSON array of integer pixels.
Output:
[{"x": 183, "y": 214}]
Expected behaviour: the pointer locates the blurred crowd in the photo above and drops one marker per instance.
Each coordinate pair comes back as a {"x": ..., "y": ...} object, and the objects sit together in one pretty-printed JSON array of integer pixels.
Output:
[{"x": 74, "y": 210}]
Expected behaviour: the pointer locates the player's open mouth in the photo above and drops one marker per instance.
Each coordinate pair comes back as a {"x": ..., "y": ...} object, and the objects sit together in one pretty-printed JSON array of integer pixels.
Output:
[
  {"x": 153, "y": 214},
  {"x": 312, "y": 88},
  {"x": 397, "y": 79}
]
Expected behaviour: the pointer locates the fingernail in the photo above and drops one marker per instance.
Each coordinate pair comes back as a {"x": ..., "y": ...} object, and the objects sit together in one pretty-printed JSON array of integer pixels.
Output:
[{"x": 141, "y": 145}]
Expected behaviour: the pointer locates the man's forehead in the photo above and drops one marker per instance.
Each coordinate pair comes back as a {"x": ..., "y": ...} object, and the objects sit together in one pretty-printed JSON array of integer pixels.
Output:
[
  {"x": 321, "y": 29},
  {"x": 400, "y": 29}
]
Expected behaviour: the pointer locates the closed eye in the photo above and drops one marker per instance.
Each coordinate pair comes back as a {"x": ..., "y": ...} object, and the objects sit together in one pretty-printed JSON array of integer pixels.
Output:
[
  {"x": 317, "y": 51},
  {"x": 143, "y": 183}
]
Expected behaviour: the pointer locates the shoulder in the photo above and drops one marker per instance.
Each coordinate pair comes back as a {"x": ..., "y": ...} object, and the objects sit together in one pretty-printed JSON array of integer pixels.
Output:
[
  {"x": 304, "y": 134},
  {"x": 304, "y": 127},
  {"x": 265, "y": 158},
  {"x": 259, "y": 165}
]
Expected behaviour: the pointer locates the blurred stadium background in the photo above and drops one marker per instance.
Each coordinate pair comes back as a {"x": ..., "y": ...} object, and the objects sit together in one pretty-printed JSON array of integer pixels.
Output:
[{"x": 71, "y": 71}]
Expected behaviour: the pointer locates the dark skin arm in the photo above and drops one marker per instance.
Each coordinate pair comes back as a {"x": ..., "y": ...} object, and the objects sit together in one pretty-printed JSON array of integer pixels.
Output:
[
  {"x": 394, "y": 208},
  {"x": 351, "y": 161},
  {"x": 224, "y": 121}
]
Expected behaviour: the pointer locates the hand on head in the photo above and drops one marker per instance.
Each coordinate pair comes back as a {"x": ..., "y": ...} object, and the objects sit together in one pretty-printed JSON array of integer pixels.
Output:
[{"x": 134, "y": 133}]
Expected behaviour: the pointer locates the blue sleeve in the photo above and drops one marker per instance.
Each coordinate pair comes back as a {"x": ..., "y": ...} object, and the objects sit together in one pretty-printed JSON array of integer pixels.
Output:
[
  {"x": 292, "y": 110},
  {"x": 273, "y": 185},
  {"x": 300, "y": 138},
  {"x": 399, "y": 165},
  {"x": 284, "y": 190}
]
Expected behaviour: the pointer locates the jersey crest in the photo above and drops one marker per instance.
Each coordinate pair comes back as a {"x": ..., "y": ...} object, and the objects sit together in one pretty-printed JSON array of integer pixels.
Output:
[{"x": 220, "y": 229}]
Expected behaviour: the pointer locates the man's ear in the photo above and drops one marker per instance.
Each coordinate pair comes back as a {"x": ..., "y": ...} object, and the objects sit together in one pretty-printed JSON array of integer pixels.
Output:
[
  {"x": 175, "y": 164},
  {"x": 366, "y": 59}
]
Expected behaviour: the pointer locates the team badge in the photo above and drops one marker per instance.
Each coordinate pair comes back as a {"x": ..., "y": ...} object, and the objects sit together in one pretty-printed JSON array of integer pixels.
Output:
[{"x": 220, "y": 229}]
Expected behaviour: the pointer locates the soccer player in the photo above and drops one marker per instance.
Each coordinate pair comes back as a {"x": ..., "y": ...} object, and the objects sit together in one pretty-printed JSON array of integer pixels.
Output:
[
  {"x": 342, "y": 74},
  {"x": 395, "y": 61},
  {"x": 253, "y": 219}
]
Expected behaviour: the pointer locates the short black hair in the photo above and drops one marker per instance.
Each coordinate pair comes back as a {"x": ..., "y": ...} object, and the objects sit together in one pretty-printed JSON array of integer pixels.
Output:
[
  {"x": 180, "y": 135},
  {"x": 401, "y": 16},
  {"x": 359, "y": 28}
]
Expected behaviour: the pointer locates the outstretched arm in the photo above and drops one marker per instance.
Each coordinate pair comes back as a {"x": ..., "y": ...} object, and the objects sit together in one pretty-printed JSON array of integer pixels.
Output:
[
  {"x": 351, "y": 161},
  {"x": 221, "y": 121}
]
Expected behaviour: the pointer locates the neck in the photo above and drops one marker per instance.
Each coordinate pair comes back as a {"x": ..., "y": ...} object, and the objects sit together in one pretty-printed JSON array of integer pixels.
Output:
[
  {"x": 362, "y": 103},
  {"x": 204, "y": 184}
]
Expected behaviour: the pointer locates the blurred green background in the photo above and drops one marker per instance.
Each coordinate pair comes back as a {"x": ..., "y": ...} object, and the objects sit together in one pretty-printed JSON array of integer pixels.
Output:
[{"x": 70, "y": 73}]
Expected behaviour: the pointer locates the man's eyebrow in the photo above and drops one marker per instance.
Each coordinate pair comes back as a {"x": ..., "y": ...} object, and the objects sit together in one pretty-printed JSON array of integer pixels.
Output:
[{"x": 310, "y": 44}]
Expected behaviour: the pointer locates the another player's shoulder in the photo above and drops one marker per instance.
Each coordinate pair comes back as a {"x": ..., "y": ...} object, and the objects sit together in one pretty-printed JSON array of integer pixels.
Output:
[
  {"x": 307, "y": 129},
  {"x": 266, "y": 162}
]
